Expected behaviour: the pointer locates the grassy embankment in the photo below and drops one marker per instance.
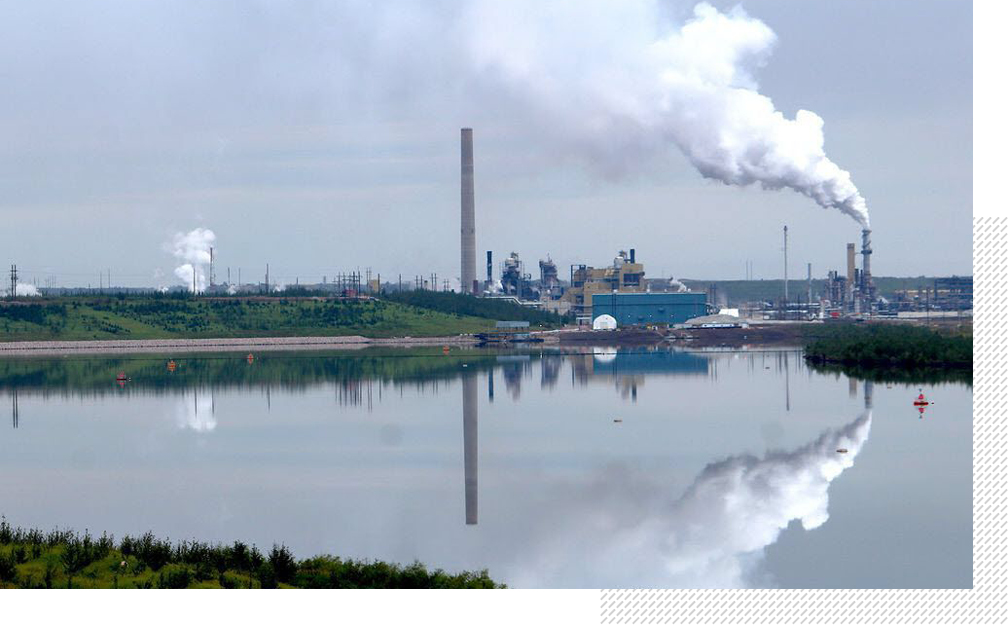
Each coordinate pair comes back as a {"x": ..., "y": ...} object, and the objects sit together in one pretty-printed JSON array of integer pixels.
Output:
[
  {"x": 162, "y": 317},
  {"x": 892, "y": 352},
  {"x": 64, "y": 559},
  {"x": 467, "y": 305}
]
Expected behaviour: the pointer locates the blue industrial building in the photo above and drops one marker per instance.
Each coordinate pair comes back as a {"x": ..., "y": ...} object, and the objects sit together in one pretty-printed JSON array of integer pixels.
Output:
[{"x": 649, "y": 308}]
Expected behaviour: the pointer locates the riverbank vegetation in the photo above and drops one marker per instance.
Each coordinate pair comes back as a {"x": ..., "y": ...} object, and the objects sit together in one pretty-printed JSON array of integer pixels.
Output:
[
  {"x": 889, "y": 345},
  {"x": 64, "y": 559},
  {"x": 468, "y": 305},
  {"x": 172, "y": 316}
]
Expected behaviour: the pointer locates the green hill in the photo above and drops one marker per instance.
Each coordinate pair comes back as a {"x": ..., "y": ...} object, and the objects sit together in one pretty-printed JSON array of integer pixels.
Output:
[{"x": 154, "y": 317}]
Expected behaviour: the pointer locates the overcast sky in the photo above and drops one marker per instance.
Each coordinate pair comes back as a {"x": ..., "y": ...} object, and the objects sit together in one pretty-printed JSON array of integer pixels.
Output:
[{"x": 321, "y": 137}]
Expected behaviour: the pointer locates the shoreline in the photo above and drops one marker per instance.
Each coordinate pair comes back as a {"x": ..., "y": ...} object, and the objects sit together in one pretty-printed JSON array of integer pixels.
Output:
[{"x": 273, "y": 343}]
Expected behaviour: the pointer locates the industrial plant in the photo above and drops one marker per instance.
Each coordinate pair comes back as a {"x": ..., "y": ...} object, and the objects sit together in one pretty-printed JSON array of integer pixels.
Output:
[
  {"x": 612, "y": 294},
  {"x": 619, "y": 293}
]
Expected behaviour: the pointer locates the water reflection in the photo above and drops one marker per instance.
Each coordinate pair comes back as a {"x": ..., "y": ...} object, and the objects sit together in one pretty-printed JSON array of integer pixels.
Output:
[
  {"x": 470, "y": 418},
  {"x": 705, "y": 478},
  {"x": 622, "y": 528},
  {"x": 198, "y": 414}
]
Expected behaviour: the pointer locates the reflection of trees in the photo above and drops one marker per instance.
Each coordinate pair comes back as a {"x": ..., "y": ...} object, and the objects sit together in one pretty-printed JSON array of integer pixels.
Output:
[
  {"x": 899, "y": 375},
  {"x": 90, "y": 375}
]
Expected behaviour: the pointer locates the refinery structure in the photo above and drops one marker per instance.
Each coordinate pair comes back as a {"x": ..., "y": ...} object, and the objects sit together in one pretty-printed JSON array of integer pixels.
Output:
[
  {"x": 622, "y": 292},
  {"x": 613, "y": 293}
]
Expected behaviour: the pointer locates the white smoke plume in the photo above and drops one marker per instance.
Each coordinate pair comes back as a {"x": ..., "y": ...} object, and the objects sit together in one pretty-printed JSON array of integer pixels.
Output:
[
  {"x": 196, "y": 413},
  {"x": 26, "y": 290},
  {"x": 193, "y": 248},
  {"x": 713, "y": 536},
  {"x": 620, "y": 82}
]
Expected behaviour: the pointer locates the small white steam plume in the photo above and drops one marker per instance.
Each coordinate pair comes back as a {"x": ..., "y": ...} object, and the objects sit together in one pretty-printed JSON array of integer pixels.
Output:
[
  {"x": 614, "y": 82},
  {"x": 26, "y": 290},
  {"x": 194, "y": 249}
]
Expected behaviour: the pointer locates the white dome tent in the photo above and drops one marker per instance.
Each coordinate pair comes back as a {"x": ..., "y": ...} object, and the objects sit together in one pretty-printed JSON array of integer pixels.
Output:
[{"x": 604, "y": 322}]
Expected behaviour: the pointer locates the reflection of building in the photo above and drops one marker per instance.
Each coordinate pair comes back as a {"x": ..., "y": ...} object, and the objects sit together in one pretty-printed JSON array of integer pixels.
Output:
[
  {"x": 627, "y": 368},
  {"x": 513, "y": 369},
  {"x": 550, "y": 371},
  {"x": 630, "y": 362},
  {"x": 470, "y": 418}
]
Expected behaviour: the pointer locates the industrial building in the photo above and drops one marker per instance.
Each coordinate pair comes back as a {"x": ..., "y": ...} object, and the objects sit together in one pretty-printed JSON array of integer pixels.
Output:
[
  {"x": 625, "y": 275},
  {"x": 649, "y": 308}
]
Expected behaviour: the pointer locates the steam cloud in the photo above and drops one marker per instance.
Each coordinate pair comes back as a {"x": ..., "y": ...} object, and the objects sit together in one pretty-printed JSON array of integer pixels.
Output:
[
  {"x": 25, "y": 290},
  {"x": 606, "y": 76},
  {"x": 196, "y": 413},
  {"x": 194, "y": 249},
  {"x": 711, "y": 537}
]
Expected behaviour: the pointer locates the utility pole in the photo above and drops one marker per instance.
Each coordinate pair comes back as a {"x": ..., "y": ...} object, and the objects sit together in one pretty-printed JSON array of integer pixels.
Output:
[
  {"x": 785, "y": 273},
  {"x": 809, "y": 287}
]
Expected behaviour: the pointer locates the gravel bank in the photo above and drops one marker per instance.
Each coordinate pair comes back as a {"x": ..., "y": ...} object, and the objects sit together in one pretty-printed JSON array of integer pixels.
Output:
[{"x": 221, "y": 345}]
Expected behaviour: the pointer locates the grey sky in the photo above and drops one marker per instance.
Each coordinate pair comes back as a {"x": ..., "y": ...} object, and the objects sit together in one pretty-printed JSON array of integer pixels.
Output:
[{"x": 324, "y": 137}]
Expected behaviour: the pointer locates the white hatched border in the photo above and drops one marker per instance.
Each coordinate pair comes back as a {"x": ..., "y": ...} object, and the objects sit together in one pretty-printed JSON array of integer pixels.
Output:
[{"x": 987, "y": 601}]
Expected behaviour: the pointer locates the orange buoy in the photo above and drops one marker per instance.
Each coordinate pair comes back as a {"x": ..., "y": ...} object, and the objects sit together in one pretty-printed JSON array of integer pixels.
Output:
[
  {"x": 171, "y": 365},
  {"x": 445, "y": 349},
  {"x": 250, "y": 358}
]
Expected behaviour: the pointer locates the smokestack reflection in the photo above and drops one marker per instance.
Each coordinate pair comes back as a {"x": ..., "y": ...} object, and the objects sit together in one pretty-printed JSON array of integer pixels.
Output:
[{"x": 470, "y": 417}]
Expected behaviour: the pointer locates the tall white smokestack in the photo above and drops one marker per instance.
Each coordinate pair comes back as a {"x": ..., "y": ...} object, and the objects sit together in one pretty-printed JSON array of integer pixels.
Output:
[{"x": 468, "y": 214}]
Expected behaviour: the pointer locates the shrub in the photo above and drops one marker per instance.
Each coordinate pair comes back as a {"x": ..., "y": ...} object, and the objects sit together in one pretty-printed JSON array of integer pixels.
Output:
[
  {"x": 8, "y": 569},
  {"x": 175, "y": 576},
  {"x": 266, "y": 575}
]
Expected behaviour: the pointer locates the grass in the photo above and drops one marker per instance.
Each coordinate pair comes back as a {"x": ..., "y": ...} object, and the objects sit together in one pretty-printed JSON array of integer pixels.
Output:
[
  {"x": 64, "y": 559},
  {"x": 161, "y": 317}
]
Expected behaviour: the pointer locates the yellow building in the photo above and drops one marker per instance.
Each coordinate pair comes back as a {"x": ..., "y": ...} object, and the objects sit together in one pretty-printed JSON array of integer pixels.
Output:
[{"x": 625, "y": 275}]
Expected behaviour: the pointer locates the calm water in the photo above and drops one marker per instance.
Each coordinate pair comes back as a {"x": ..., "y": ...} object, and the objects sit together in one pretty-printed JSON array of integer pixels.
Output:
[{"x": 629, "y": 468}]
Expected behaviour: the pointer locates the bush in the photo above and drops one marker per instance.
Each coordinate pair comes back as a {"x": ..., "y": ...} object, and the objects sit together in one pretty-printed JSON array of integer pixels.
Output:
[
  {"x": 266, "y": 575},
  {"x": 8, "y": 568},
  {"x": 175, "y": 576}
]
